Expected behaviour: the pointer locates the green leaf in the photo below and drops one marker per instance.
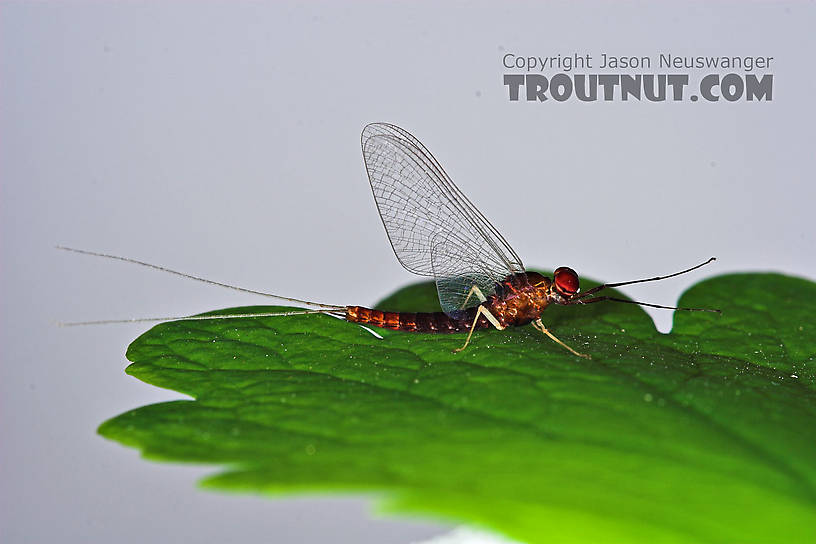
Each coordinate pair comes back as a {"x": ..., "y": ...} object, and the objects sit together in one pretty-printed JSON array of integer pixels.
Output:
[{"x": 703, "y": 435}]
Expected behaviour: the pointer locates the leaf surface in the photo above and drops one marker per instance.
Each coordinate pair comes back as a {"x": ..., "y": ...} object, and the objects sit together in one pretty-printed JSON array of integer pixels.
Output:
[{"x": 703, "y": 435}]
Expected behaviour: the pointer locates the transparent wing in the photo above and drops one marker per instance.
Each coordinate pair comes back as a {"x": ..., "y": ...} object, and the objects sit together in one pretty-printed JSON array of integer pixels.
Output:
[
  {"x": 434, "y": 229},
  {"x": 457, "y": 268}
]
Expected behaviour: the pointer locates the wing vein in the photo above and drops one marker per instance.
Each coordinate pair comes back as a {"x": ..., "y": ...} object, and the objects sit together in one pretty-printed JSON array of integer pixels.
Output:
[{"x": 434, "y": 229}]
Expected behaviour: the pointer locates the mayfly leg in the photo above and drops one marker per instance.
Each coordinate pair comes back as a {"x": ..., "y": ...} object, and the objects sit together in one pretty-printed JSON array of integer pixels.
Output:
[
  {"x": 474, "y": 291},
  {"x": 540, "y": 326},
  {"x": 482, "y": 311}
]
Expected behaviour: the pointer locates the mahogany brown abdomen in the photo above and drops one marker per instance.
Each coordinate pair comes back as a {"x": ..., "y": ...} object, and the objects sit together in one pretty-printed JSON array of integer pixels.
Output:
[{"x": 433, "y": 322}]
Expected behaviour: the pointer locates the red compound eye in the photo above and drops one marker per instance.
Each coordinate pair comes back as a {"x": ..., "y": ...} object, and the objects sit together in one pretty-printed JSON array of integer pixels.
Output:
[{"x": 566, "y": 281}]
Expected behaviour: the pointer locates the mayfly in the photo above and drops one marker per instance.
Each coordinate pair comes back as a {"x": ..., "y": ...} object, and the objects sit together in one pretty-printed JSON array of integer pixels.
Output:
[{"x": 436, "y": 231}]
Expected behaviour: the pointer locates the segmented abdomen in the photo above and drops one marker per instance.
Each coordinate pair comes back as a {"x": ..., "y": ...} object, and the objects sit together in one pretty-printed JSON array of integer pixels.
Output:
[{"x": 414, "y": 322}]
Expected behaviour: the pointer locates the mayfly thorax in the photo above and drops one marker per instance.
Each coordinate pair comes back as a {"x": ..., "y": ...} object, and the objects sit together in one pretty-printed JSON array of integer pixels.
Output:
[{"x": 436, "y": 231}]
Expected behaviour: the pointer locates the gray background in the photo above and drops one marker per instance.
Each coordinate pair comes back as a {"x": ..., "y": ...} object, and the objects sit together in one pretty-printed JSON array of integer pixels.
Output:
[{"x": 223, "y": 140}]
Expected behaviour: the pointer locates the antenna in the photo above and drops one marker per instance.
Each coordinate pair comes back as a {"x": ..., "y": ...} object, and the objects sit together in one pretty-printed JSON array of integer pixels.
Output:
[
  {"x": 649, "y": 304},
  {"x": 656, "y": 278},
  {"x": 582, "y": 298}
]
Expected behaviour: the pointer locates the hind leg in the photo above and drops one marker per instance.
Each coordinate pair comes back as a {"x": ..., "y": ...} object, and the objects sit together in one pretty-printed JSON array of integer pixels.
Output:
[
  {"x": 474, "y": 291},
  {"x": 490, "y": 317}
]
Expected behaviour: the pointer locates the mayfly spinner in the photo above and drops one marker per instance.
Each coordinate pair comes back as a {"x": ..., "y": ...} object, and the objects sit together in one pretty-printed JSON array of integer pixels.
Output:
[{"x": 436, "y": 231}]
